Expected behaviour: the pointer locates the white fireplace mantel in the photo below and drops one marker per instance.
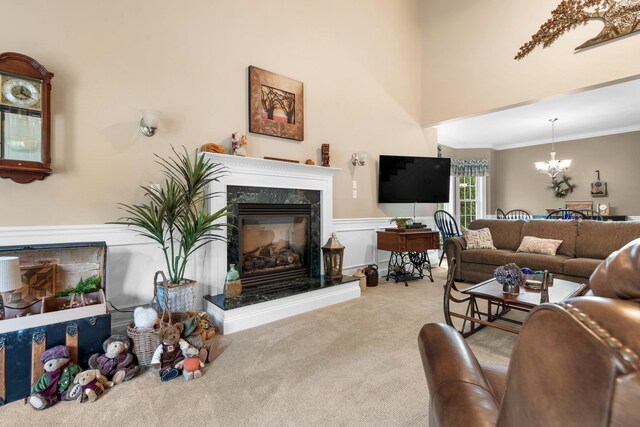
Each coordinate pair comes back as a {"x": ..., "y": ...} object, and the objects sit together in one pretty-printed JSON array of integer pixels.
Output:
[{"x": 253, "y": 172}]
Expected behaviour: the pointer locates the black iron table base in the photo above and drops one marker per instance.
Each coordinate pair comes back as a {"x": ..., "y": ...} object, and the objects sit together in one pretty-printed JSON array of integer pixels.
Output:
[{"x": 405, "y": 266}]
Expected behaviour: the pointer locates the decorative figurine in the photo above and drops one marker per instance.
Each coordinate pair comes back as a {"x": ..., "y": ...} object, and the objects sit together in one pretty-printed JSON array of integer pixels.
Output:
[
  {"x": 59, "y": 373},
  {"x": 89, "y": 386},
  {"x": 117, "y": 363},
  {"x": 239, "y": 144},
  {"x": 192, "y": 364},
  {"x": 212, "y": 148},
  {"x": 168, "y": 356},
  {"x": 325, "y": 155}
]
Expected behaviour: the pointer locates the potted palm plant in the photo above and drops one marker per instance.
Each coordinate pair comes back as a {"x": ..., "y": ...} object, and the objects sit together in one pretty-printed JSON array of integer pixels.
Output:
[{"x": 175, "y": 216}]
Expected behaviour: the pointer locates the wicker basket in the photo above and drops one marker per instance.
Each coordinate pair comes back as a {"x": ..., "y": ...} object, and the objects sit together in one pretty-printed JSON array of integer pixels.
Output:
[
  {"x": 144, "y": 342},
  {"x": 180, "y": 296}
]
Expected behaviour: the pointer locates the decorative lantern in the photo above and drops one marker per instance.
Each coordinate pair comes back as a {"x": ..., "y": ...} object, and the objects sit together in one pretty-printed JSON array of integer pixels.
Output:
[{"x": 333, "y": 254}]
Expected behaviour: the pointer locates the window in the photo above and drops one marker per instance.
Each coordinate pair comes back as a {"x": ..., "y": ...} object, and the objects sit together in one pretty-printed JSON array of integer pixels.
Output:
[{"x": 467, "y": 199}]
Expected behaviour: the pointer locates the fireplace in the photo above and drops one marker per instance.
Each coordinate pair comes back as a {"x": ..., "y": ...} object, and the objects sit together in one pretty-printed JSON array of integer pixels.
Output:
[
  {"x": 276, "y": 237},
  {"x": 273, "y": 242},
  {"x": 268, "y": 182}
]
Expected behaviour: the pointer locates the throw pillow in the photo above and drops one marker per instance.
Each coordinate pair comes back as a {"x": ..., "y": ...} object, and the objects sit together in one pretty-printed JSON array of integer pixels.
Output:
[
  {"x": 478, "y": 239},
  {"x": 535, "y": 245}
]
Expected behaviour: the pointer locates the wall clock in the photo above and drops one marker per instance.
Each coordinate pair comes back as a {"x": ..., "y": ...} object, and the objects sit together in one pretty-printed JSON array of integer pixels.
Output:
[
  {"x": 25, "y": 137},
  {"x": 21, "y": 92}
]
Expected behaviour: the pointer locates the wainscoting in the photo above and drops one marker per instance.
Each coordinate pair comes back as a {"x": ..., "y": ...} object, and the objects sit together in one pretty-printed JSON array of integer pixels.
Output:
[
  {"x": 358, "y": 235},
  {"x": 132, "y": 259}
]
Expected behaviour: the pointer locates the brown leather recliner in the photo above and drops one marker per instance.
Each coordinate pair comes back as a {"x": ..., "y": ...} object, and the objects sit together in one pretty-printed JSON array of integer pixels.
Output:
[{"x": 575, "y": 363}]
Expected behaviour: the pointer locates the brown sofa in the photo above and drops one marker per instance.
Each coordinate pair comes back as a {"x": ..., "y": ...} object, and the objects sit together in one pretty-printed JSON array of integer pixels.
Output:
[
  {"x": 585, "y": 244},
  {"x": 576, "y": 363}
]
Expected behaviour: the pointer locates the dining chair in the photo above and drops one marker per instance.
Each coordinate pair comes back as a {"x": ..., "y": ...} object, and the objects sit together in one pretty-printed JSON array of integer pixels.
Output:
[
  {"x": 447, "y": 226},
  {"x": 566, "y": 214},
  {"x": 518, "y": 214},
  {"x": 500, "y": 214}
]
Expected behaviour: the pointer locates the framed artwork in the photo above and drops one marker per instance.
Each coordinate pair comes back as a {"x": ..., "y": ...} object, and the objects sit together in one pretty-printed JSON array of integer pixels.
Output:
[
  {"x": 579, "y": 206},
  {"x": 275, "y": 105}
]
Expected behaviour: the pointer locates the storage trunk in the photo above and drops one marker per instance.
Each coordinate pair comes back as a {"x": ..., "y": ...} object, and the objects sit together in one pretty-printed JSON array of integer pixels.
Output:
[{"x": 47, "y": 269}]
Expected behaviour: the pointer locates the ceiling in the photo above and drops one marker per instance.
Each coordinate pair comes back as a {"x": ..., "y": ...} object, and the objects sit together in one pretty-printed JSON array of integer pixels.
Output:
[{"x": 595, "y": 112}]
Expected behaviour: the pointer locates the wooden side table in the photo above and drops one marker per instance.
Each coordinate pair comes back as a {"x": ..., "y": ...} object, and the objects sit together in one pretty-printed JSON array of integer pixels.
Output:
[{"x": 409, "y": 256}]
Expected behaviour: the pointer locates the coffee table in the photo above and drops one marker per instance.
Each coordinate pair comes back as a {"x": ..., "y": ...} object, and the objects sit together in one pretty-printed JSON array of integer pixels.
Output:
[{"x": 499, "y": 303}]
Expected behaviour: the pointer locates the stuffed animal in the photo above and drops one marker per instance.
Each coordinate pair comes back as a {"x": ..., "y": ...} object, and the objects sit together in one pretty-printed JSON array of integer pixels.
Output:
[
  {"x": 239, "y": 144},
  {"x": 59, "y": 373},
  {"x": 145, "y": 317},
  {"x": 192, "y": 364},
  {"x": 168, "y": 355},
  {"x": 88, "y": 386},
  {"x": 199, "y": 332},
  {"x": 117, "y": 363}
]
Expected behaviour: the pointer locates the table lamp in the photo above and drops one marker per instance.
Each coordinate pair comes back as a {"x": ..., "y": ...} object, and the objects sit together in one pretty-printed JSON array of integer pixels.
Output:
[{"x": 9, "y": 278}]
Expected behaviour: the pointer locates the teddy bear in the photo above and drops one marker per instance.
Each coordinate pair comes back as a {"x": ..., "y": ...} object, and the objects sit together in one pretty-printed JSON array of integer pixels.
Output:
[
  {"x": 169, "y": 354},
  {"x": 88, "y": 386},
  {"x": 59, "y": 373},
  {"x": 199, "y": 332},
  {"x": 117, "y": 363},
  {"x": 192, "y": 364}
]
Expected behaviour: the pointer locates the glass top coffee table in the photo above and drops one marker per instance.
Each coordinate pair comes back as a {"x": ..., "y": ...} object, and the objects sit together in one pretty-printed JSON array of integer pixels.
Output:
[{"x": 499, "y": 303}]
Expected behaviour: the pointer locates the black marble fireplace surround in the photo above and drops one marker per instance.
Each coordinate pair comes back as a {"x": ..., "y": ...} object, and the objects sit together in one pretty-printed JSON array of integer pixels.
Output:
[{"x": 281, "y": 280}]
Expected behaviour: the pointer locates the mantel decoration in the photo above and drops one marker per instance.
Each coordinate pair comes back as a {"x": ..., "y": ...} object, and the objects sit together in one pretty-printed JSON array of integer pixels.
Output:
[
  {"x": 553, "y": 167},
  {"x": 175, "y": 216},
  {"x": 598, "y": 188},
  {"x": 620, "y": 17},
  {"x": 561, "y": 187},
  {"x": 275, "y": 105}
]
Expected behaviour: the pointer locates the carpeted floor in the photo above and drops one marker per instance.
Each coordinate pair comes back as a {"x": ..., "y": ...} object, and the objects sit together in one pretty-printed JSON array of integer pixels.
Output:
[{"x": 355, "y": 363}]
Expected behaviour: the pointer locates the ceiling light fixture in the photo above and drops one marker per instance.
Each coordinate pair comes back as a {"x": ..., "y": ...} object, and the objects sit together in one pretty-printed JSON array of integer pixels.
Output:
[{"x": 553, "y": 167}]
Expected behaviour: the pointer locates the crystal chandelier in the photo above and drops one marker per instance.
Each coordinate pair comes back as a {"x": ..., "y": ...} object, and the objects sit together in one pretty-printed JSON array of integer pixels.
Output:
[{"x": 553, "y": 167}]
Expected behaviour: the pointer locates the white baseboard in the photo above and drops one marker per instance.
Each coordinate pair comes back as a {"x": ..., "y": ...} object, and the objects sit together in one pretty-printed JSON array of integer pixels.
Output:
[{"x": 230, "y": 321}]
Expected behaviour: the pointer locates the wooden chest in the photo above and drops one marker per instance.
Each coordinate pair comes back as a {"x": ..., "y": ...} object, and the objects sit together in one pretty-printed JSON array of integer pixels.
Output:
[{"x": 47, "y": 269}]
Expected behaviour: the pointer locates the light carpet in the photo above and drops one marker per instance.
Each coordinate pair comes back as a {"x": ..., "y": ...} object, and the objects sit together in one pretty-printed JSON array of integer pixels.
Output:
[{"x": 354, "y": 363}]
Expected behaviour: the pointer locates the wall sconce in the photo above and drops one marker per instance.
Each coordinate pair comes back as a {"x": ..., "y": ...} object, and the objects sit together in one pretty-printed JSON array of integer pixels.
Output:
[
  {"x": 359, "y": 158},
  {"x": 149, "y": 122}
]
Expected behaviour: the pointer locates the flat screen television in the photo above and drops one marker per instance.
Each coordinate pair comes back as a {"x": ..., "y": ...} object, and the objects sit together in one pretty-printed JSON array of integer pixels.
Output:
[{"x": 409, "y": 179}]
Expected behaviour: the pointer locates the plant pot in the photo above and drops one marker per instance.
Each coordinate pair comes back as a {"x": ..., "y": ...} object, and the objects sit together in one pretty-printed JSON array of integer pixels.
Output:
[{"x": 180, "y": 296}]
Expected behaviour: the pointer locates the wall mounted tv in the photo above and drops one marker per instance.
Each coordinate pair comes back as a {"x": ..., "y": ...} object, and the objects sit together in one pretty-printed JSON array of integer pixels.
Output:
[{"x": 408, "y": 179}]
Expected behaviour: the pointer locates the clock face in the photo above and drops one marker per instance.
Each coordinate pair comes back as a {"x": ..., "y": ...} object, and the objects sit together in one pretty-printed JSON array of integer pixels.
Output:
[{"x": 22, "y": 93}]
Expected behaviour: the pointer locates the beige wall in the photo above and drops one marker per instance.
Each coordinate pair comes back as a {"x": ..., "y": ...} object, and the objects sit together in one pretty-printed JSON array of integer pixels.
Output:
[
  {"x": 517, "y": 185},
  {"x": 468, "y": 49},
  {"x": 359, "y": 62}
]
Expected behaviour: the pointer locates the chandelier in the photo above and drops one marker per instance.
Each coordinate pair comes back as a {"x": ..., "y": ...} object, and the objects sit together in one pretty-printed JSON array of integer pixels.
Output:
[{"x": 553, "y": 167}]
